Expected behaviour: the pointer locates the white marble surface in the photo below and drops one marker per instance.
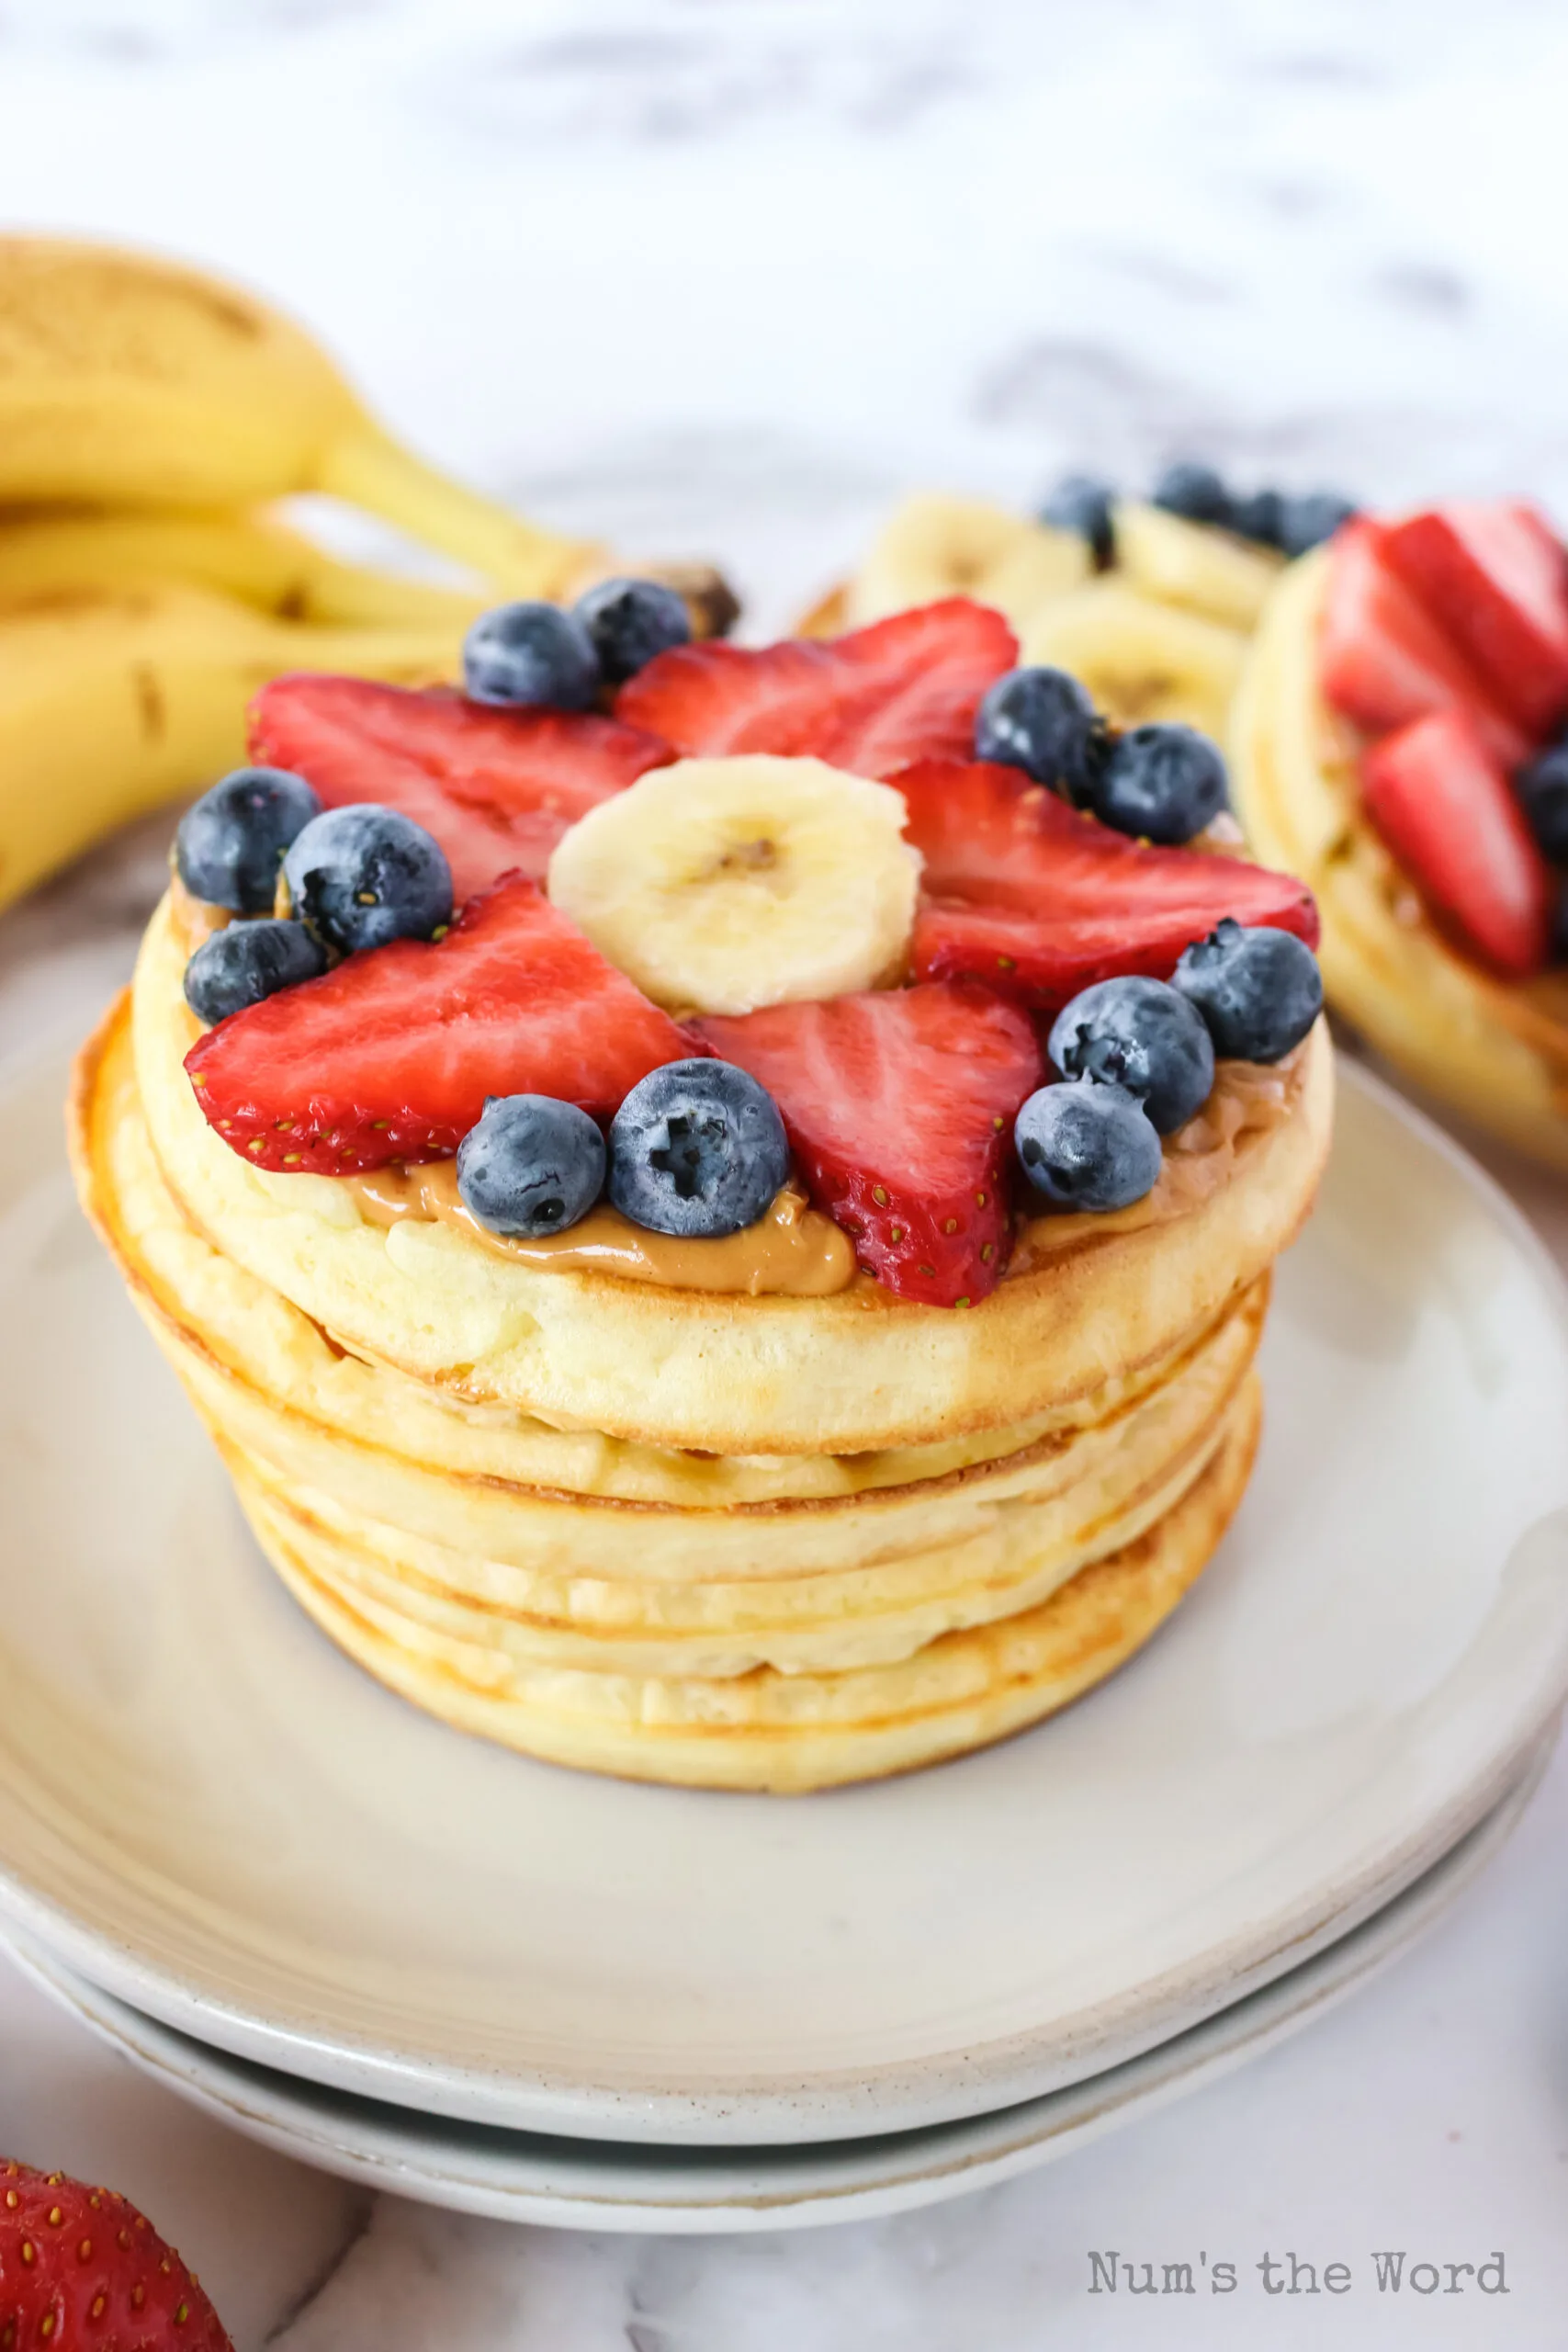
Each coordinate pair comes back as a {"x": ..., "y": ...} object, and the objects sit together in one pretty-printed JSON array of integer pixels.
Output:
[{"x": 720, "y": 276}]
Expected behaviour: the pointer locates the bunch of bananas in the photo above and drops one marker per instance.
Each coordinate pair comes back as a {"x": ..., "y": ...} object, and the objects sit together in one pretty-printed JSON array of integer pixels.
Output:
[
  {"x": 147, "y": 415},
  {"x": 1161, "y": 635}
]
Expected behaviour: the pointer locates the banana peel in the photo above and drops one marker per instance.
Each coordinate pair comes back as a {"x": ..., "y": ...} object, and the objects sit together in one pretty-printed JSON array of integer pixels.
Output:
[{"x": 114, "y": 699}]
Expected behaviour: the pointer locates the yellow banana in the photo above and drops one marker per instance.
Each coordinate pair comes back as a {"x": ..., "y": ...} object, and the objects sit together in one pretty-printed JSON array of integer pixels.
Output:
[
  {"x": 130, "y": 381},
  {"x": 115, "y": 700},
  {"x": 253, "y": 556}
]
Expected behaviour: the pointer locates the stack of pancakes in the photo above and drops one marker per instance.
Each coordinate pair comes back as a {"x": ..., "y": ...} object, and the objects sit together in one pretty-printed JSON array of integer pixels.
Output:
[
  {"x": 762, "y": 1543},
  {"x": 1493, "y": 1049}
]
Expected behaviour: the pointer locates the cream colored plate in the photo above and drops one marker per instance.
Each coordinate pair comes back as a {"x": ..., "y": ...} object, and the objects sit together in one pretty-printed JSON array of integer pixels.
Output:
[
  {"x": 598, "y": 2184},
  {"x": 208, "y": 1811}
]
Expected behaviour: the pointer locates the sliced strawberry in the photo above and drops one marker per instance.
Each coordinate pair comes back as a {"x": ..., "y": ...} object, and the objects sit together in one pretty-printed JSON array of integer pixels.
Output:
[
  {"x": 1037, "y": 901},
  {"x": 497, "y": 788},
  {"x": 1382, "y": 658},
  {"x": 1493, "y": 575},
  {"x": 900, "y": 1106},
  {"x": 904, "y": 689},
  {"x": 1444, "y": 806},
  {"x": 390, "y": 1057}
]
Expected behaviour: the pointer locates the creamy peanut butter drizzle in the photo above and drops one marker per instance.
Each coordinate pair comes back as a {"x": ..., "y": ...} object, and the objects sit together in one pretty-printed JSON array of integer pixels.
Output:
[
  {"x": 1247, "y": 1102},
  {"x": 791, "y": 1252}
]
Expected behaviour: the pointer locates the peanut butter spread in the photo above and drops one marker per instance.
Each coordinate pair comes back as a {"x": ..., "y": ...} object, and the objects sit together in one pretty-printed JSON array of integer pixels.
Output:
[
  {"x": 793, "y": 1251},
  {"x": 1250, "y": 1100}
]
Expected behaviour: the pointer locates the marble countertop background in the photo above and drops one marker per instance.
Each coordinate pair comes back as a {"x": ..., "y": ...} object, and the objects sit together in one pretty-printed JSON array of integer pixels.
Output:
[{"x": 721, "y": 276}]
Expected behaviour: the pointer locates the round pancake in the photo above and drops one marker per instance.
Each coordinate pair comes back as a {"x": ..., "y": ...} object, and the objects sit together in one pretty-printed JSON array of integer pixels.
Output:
[
  {"x": 1495, "y": 1050},
  {"x": 874, "y": 1572},
  {"x": 232, "y": 1332},
  {"x": 855, "y": 1373},
  {"x": 795, "y": 1732},
  {"x": 826, "y": 1623}
]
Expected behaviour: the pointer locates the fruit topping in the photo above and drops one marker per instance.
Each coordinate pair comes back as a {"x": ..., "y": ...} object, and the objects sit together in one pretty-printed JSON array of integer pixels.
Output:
[
  {"x": 82, "y": 2266},
  {"x": 631, "y": 620},
  {"x": 1258, "y": 989},
  {"x": 497, "y": 788},
  {"x": 231, "y": 842},
  {"x": 1159, "y": 783},
  {"x": 1308, "y": 517},
  {"x": 1259, "y": 515},
  {"x": 1038, "y": 901},
  {"x": 722, "y": 885},
  {"x": 1384, "y": 660},
  {"x": 1542, "y": 788},
  {"x": 247, "y": 961},
  {"x": 904, "y": 689},
  {"x": 1087, "y": 1146},
  {"x": 531, "y": 653},
  {"x": 1442, "y": 802},
  {"x": 1044, "y": 722},
  {"x": 393, "y": 1054},
  {"x": 359, "y": 878},
  {"x": 1493, "y": 575},
  {"x": 1082, "y": 503},
  {"x": 697, "y": 1149},
  {"x": 532, "y": 1166},
  {"x": 1193, "y": 491},
  {"x": 1139, "y": 1035},
  {"x": 899, "y": 1103}
]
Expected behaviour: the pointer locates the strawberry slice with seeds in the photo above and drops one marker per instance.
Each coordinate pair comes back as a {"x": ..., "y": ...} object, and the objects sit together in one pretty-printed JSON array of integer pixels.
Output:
[
  {"x": 1037, "y": 901},
  {"x": 497, "y": 788},
  {"x": 390, "y": 1057},
  {"x": 900, "y": 1106},
  {"x": 82, "y": 2266},
  {"x": 1443, "y": 805},
  {"x": 1383, "y": 659},
  {"x": 1493, "y": 573},
  {"x": 904, "y": 689}
]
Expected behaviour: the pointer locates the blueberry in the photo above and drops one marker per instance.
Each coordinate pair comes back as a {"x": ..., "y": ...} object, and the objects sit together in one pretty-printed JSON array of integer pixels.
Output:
[
  {"x": 1088, "y": 1147},
  {"x": 1307, "y": 520},
  {"x": 696, "y": 1147},
  {"x": 1082, "y": 503},
  {"x": 532, "y": 1166},
  {"x": 361, "y": 876},
  {"x": 1141, "y": 1035},
  {"x": 1258, "y": 989},
  {"x": 246, "y": 961},
  {"x": 631, "y": 620},
  {"x": 1194, "y": 491},
  {"x": 1043, "y": 721},
  {"x": 229, "y": 844},
  {"x": 1259, "y": 516},
  {"x": 531, "y": 653},
  {"x": 1160, "y": 784},
  {"x": 1542, "y": 788}
]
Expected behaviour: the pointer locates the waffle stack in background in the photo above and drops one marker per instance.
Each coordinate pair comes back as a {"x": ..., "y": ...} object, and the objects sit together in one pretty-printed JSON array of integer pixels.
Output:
[{"x": 772, "y": 1543}]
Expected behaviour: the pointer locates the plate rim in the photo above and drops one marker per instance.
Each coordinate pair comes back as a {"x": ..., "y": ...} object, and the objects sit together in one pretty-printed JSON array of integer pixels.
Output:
[
  {"x": 937, "y": 2087},
  {"x": 935, "y": 2162}
]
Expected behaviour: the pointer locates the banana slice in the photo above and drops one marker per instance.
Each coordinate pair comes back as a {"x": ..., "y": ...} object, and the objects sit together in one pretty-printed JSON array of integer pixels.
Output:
[
  {"x": 721, "y": 886},
  {"x": 936, "y": 545},
  {"x": 1191, "y": 564},
  {"x": 1140, "y": 661}
]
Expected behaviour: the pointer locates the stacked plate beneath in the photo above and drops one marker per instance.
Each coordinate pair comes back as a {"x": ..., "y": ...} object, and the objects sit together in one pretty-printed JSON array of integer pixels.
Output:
[{"x": 491, "y": 1982}]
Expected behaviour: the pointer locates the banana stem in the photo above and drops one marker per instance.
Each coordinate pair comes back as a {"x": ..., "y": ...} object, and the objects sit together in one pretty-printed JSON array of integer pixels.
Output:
[{"x": 370, "y": 470}]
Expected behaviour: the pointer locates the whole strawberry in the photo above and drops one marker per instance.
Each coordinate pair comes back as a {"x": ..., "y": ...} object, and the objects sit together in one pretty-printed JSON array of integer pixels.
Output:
[{"x": 79, "y": 2267}]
